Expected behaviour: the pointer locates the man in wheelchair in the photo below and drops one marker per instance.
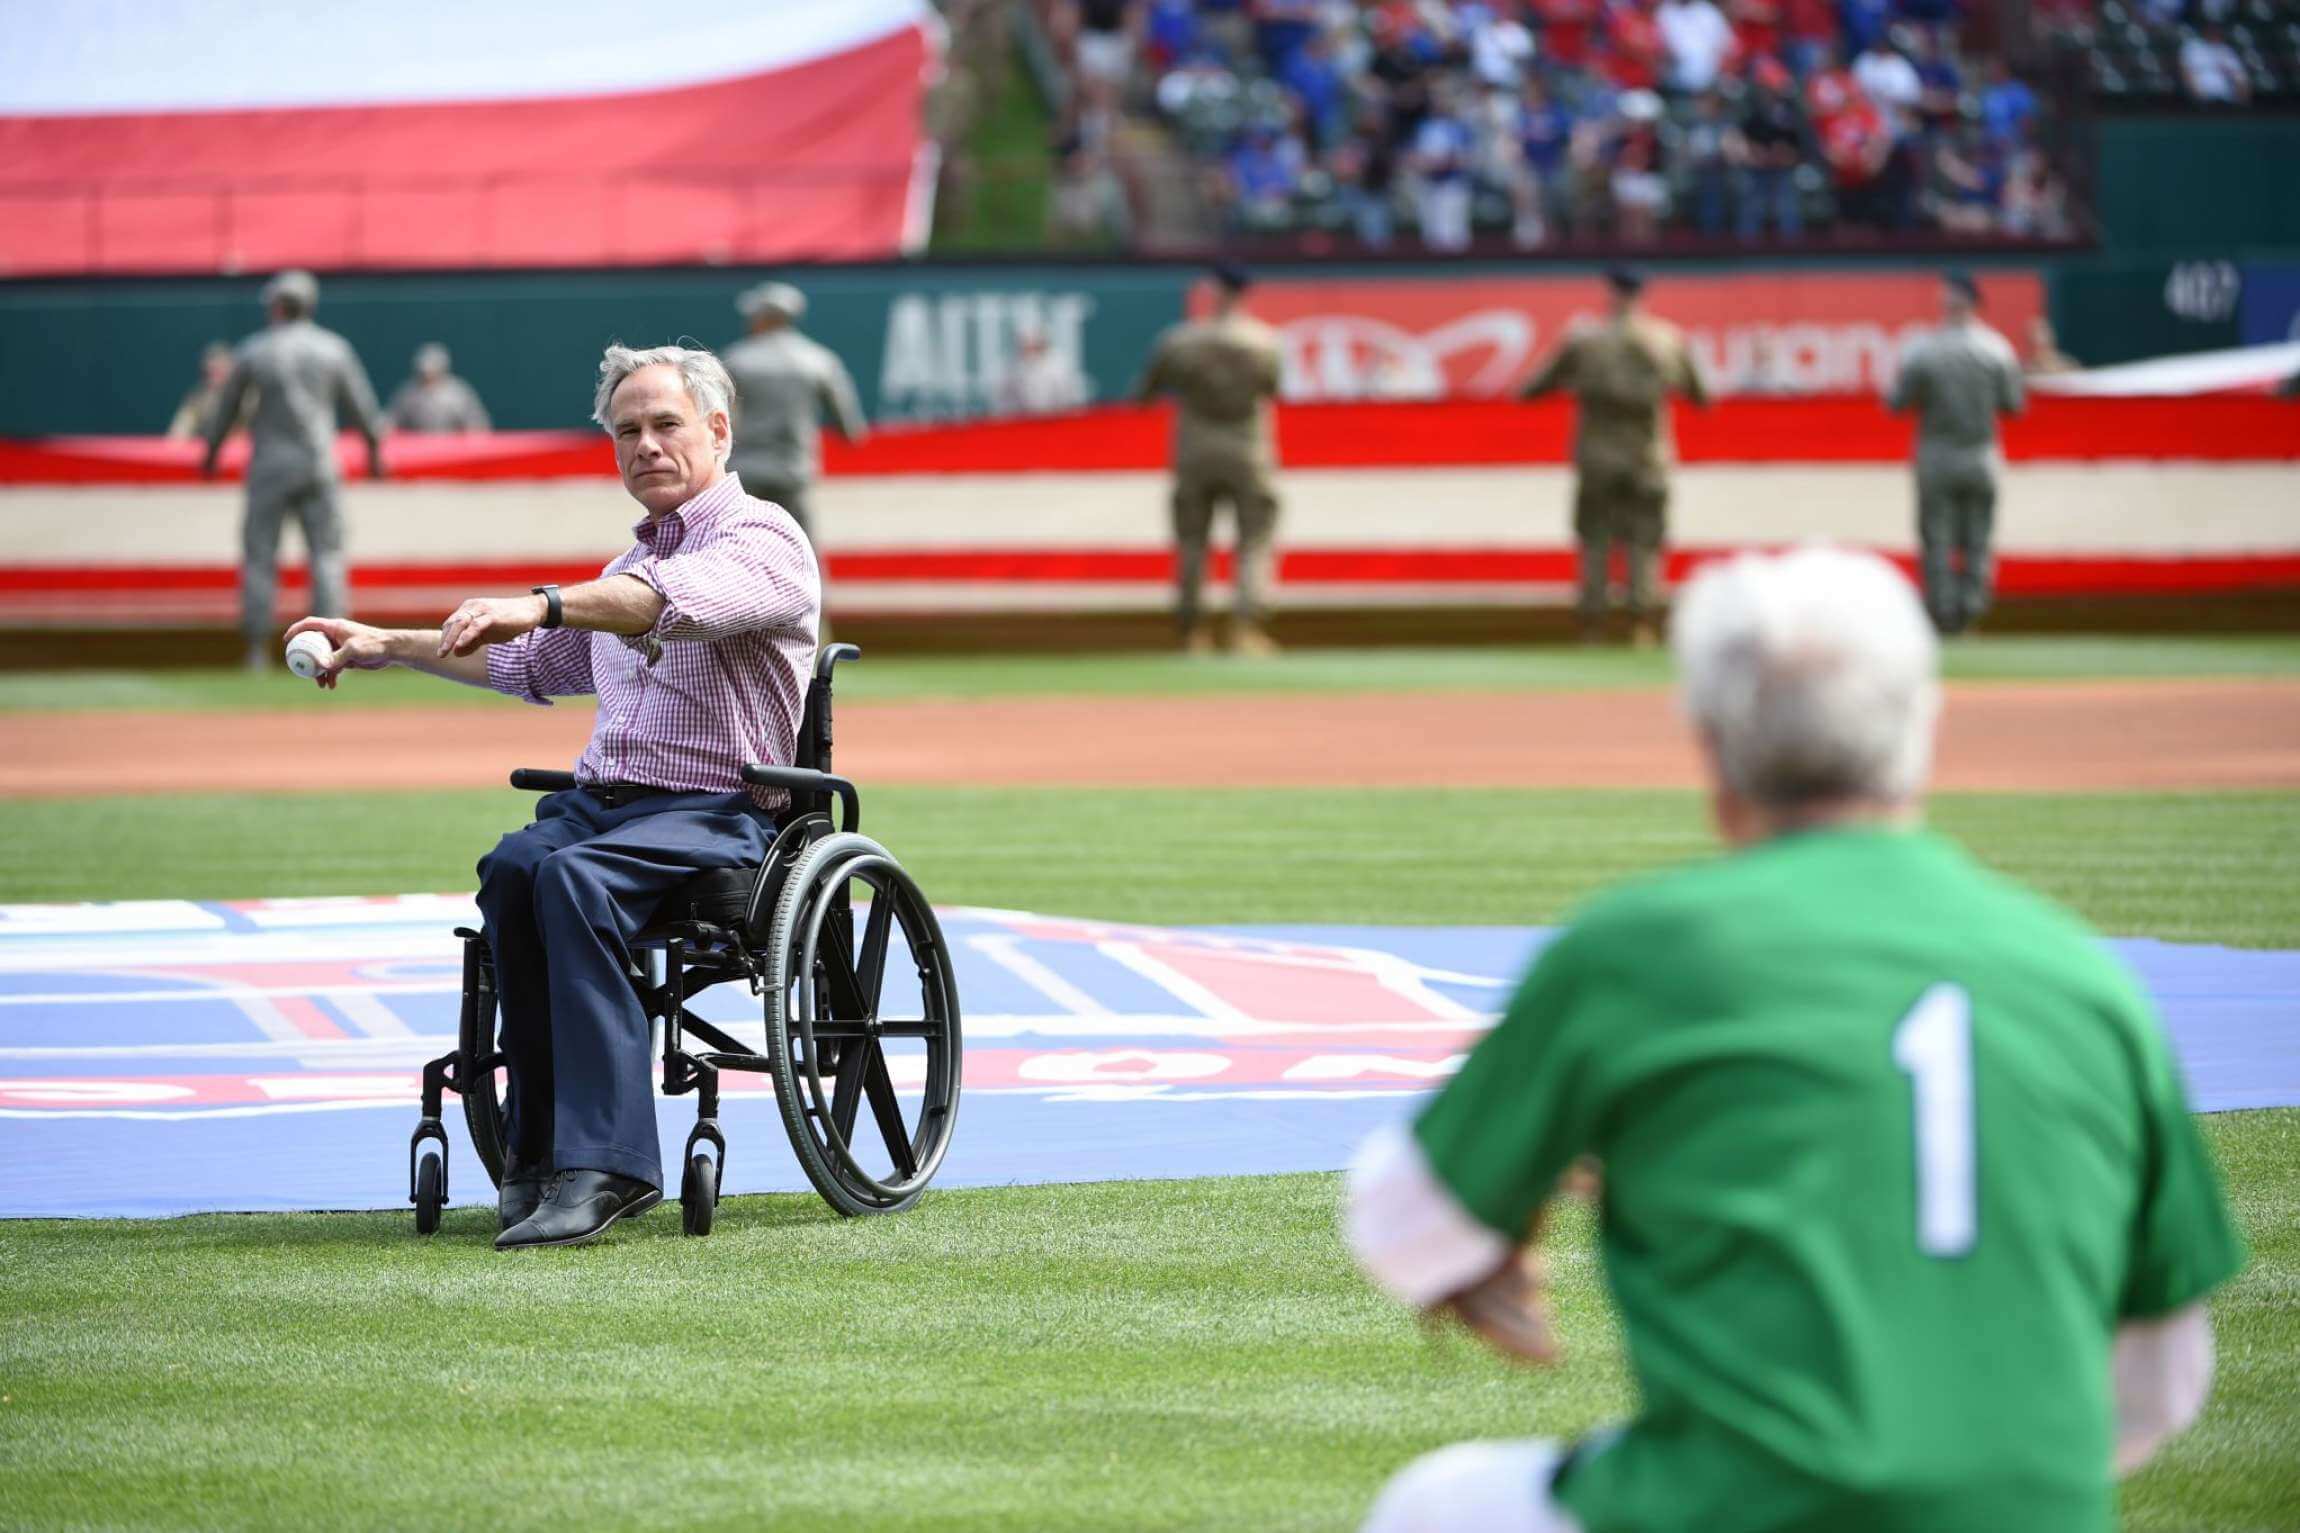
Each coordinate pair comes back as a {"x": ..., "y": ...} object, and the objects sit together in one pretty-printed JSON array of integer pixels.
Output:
[{"x": 697, "y": 642}]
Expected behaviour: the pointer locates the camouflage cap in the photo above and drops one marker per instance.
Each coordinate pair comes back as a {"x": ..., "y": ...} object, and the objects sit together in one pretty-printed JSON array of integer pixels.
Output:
[
  {"x": 297, "y": 287},
  {"x": 772, "y": 298}
]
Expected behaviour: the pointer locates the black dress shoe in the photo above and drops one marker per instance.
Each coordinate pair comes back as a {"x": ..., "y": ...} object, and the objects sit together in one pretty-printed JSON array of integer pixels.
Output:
[
  {"x": 519, "y": 1194},
  {"x": 577, "y": 1206}
]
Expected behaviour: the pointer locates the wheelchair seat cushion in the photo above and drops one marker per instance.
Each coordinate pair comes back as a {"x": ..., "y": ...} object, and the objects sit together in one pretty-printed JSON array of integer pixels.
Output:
[{"x": 721, "y": 897}]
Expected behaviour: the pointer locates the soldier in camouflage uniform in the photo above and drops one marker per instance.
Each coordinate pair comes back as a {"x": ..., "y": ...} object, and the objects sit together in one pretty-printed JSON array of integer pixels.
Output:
[
  {"x": 305, "y": 379},
  {"x": 785, "y": 384},
  {"x": 1957, "y": 380},
  {"x": 433, "y": 401},
  {"x": 1621, "y": 372},
  {"x": 1223, "y": 372}
]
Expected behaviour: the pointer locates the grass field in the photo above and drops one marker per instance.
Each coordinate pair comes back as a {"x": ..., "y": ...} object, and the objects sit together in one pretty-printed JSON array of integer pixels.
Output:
[
  {"x": 1330, "y": 670},
  {"x": 1160, "y": 1355}
]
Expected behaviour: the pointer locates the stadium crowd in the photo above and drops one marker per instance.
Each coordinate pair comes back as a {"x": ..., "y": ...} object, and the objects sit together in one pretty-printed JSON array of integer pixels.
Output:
[{"x": 1600, "y": 119}]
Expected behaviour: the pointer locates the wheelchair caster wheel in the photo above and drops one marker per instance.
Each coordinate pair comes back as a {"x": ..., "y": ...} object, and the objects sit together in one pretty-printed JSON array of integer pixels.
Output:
[
  {"x": 430, "y": 1194},
  {"x": 699, "y": 1195}
]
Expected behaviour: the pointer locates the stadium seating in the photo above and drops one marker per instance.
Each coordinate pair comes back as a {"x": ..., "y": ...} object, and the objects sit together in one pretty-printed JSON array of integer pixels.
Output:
[{"x": 1323, "y": 127}]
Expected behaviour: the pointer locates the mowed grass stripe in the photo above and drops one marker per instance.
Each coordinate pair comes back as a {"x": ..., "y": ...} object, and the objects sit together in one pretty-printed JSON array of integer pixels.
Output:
[
  {"x": 1400, "y": 669},
  {"x": 2184, "y": 867},
  {"x": 1148, "y": 1355}
]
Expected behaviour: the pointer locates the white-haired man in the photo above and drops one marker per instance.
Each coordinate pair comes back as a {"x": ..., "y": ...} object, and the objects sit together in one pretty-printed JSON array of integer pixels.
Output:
[
  {"x": 305, "y": 380},
  {"x": 1898, "y": 1171},
  {"x": 696, "y": 641}
]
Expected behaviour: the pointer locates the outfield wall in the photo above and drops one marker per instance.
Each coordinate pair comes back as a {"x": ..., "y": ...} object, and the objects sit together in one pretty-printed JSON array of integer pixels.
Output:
[
  {"x": 1454, "y": 506},
  {"x": 945, "y": 341}
]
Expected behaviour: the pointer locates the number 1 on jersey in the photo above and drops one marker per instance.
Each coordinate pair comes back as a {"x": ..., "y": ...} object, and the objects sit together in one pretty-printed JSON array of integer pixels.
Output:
[{"x": 1933, "y": 1045}]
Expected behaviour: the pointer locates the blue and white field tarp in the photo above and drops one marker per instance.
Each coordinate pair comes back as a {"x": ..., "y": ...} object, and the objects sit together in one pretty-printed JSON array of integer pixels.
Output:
[{"x": 167, "y": 1057}]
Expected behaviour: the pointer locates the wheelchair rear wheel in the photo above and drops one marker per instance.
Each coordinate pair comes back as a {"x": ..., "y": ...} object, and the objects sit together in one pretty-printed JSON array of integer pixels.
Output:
[
  {"x": 862, "y": 1007},
  {"x": 478, "y": 1080}
]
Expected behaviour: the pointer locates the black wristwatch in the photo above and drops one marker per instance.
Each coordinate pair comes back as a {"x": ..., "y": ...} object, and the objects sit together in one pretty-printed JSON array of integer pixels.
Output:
[{"x": 553, "y": 614}]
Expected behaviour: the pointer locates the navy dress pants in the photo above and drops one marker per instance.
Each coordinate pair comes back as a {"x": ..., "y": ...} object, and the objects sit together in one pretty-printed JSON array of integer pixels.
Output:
[{"x": 562, "y": 899}]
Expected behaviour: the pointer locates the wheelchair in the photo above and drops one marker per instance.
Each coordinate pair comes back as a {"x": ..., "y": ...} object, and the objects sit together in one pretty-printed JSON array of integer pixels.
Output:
[{"x": 788, "y": 929}]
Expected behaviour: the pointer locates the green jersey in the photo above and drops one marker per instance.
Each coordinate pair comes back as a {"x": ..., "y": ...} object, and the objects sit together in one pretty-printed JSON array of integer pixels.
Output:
[{"x": 1890, "y": 1148}]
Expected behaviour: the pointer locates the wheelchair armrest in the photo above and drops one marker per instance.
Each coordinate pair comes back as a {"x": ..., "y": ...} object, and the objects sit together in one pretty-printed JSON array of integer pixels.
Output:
[
  {"x": 804, "y": 780},
  {"x": 537, "y": 780}
]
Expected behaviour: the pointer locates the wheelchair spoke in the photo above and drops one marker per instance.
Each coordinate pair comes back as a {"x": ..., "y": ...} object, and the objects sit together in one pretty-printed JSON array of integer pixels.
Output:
[
  {"x": 836, "y": 956},
  {"x": 870, "y": 966},
  {"x": 846, "y": 1091},
  {"x": 914, "y": 1028},
  {"x": 883, "y": 1106}
]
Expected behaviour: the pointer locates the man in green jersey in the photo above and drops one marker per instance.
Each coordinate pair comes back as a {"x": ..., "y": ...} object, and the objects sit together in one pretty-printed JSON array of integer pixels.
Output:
[{"x": 1904, "y": 1212}]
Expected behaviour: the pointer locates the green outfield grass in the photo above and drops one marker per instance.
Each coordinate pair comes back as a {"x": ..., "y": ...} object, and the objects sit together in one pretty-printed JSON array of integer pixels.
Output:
[
  {"x": 2185, "y": 867},
  {"x": 1147, "y": 1355},
  {"x": 2013, "y": 658}
]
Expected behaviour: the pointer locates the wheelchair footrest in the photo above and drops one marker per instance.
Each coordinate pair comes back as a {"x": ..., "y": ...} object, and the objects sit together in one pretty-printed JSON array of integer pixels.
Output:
[{"x": 758, "y": 1064}]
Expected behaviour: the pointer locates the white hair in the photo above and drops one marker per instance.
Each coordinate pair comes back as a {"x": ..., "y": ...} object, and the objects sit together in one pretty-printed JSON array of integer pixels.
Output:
[
  {"x": 1813, "y": 675},
  {"x": 703, "y": 374}
]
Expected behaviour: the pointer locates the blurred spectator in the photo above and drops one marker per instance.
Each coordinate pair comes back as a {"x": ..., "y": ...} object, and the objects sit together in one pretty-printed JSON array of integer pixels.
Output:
[
  {"x": 1809, "y": 35},
  {"x": 1640, "y": 191},
  {"x": 1756, "y": 28},
  {"x": 434, "y": 400},
  {"x": 1713, "y": 151},
  {"x": 1566, "y": 27},
  {"x": 1633, "y": 39},
  {"x": 1363, "y": 169},
  {"x": 1281, "y": 26},
  {"x": 1104, "y": 38},
  {"x": 1314, "y": 117},
  {"x": 1891, "y": 82},
  {"x": 1309, "y": 72},
  {"x": 1855, "y": 145},
  {"x": 1500, "y": 47},
  {"x": 1172, "y": 32},
  {"x": 2035, "y": 200},
  {"x": 1941, "y": 85},
  {"x": 1088, "y": 204},
  {"x": 1265, "y": 171},
  {"x": 1230, "y": 25},
  {"x": 1696, "y": 40},
  {"x": 1441, "y": 159},
  {"x": 190, "y": 421},
  {"x": 1773, "y": 129},
  {"x": 1968, "y": 176},
  {"x": 1544, "y": 131},
  {"x": 1861, "y": 24},
  {"x": 2211, "y": 70},
  {"x": 2008, "y": 106}
]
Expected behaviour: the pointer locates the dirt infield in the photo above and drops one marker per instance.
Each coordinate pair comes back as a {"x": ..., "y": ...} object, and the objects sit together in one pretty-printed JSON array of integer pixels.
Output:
[{"x": 1997, "y": 737}]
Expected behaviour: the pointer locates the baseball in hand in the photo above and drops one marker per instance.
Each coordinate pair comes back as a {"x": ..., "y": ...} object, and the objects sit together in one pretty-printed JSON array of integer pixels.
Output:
[{"x": 307, "y": 654}]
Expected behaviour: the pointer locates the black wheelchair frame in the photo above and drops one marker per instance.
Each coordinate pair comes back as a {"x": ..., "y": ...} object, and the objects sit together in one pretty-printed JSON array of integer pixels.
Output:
[{"x": 787, "y": 929}]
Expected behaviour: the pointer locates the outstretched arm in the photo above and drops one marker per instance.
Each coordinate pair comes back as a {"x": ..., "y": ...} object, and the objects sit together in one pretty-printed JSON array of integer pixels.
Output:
[
  {"x": 359, "y": 647},
  {"x": 1554, "y": 374}
]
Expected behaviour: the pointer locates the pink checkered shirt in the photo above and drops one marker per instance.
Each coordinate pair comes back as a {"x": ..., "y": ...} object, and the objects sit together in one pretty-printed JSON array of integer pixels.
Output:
[{"x": 720, "y": 680}]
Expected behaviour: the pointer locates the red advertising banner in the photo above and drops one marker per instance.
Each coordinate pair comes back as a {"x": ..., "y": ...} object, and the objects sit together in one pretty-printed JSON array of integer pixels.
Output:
[{"x": 1782, "y": 332}]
